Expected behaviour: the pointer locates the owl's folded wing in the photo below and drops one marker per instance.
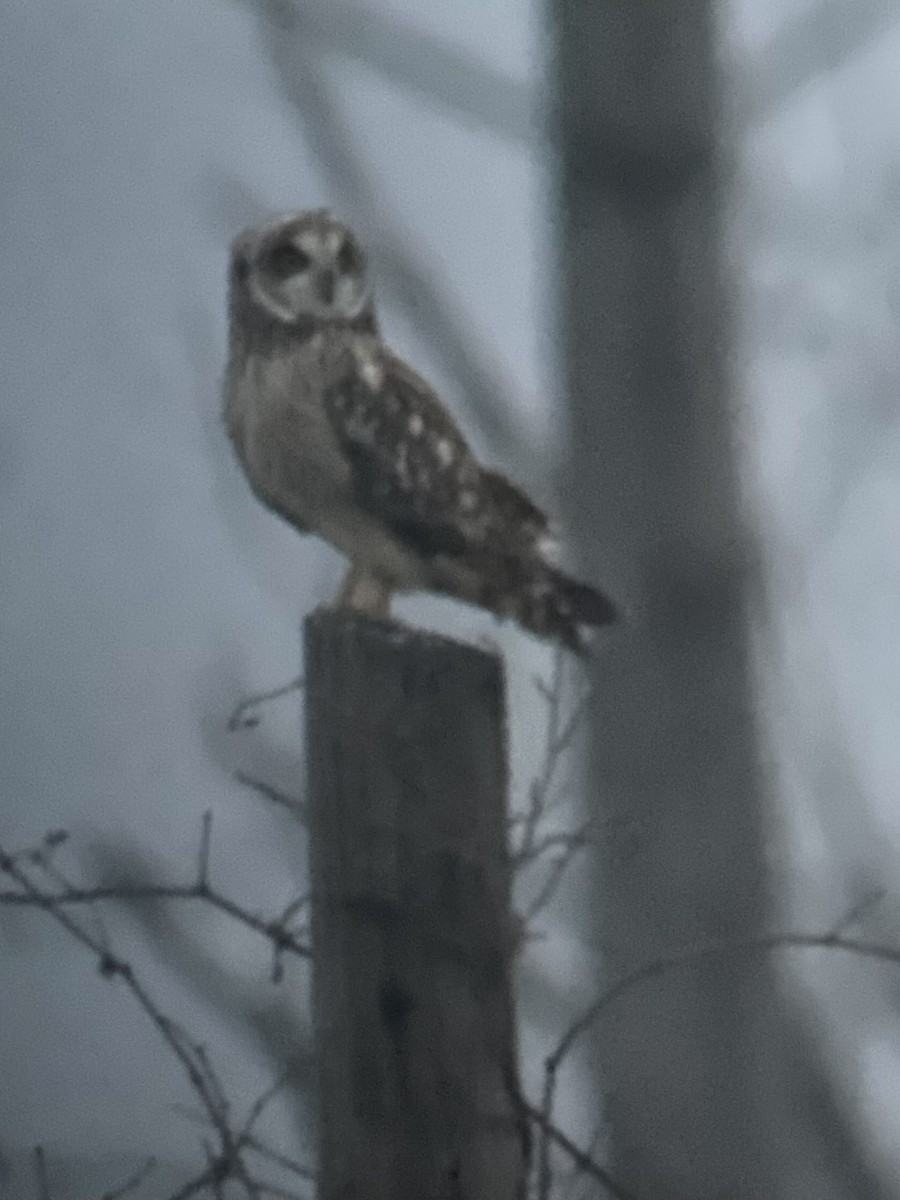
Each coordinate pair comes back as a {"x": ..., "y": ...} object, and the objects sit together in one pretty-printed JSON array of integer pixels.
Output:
[{"x": 412, "y": 469}]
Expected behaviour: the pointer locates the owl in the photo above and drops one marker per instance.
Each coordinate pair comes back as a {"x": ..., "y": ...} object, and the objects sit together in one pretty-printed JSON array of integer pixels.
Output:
[{"x": 342, "y": 439}]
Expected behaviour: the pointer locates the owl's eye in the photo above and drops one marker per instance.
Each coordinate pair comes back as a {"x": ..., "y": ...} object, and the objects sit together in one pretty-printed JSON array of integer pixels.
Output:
[
  {"x": 286, "y": 259},
  {"x": 348, "y": 258}
]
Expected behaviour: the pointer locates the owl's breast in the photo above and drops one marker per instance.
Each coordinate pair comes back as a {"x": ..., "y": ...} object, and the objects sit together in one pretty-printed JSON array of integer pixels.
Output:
[{"x": 283, "y": 438}]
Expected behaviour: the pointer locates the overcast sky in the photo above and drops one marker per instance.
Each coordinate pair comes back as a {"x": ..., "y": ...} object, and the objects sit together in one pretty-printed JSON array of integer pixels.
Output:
[{"x": 143, "y": 591}]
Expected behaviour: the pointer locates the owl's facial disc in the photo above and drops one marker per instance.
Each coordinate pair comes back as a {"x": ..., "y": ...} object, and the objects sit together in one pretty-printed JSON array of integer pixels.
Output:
[{"x": 317, "y": 273}]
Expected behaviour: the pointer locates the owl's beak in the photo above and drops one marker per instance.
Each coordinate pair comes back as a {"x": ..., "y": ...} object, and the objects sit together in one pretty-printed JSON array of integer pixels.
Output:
[{"x": 325, "y": 287}]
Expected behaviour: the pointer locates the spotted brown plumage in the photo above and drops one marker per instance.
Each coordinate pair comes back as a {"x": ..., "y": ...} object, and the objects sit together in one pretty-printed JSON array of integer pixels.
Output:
[{"x": 343, "y": 439}]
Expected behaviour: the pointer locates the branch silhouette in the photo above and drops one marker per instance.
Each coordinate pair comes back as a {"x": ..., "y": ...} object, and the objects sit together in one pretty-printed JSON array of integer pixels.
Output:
[
  {"x": 276, "y": 929},
  {"x": 226, "y": 1156}
]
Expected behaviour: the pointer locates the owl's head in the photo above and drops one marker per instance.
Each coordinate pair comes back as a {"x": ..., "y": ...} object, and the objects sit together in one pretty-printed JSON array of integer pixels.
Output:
[{"x": 301, "y": 268}]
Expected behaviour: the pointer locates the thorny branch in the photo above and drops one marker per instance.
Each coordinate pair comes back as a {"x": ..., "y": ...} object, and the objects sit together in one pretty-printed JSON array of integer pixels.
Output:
[
  {"x": 831, "y": 939},
  {"x": 565, "y": 1192},
  {"x": 818, "y": 41},
  {"x": 583, "y": 1161},
  {"x": 226, "y": 1157},
  {"x": 277, "y": 930},
  {"x": 428, "y": 65},
  {"x": 131, "y": 1184},
  {"x": 563, "y": 721},
  {"x": 253, "y": 1143},
  {"x": 40, "y": 1173},
  {"x": 294, "y": 805},
  {"x": 532, "y": 844},
  {"x": 245, "y": 715}
]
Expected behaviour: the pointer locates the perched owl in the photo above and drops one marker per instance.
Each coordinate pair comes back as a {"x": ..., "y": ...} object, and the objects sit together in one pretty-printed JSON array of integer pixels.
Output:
[{"x": 343, "y": 439}]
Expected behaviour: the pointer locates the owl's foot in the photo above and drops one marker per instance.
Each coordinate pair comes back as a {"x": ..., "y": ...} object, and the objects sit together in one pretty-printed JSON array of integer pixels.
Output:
[{"x": 364, "y": 593}]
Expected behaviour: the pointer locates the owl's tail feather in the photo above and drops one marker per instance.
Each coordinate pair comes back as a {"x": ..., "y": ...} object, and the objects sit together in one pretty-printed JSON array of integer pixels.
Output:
[{"x": 559, "y": 608}]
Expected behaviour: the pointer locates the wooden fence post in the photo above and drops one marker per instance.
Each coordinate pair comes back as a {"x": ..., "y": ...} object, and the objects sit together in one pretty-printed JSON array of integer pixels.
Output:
[{"x": 412, "y": 935}]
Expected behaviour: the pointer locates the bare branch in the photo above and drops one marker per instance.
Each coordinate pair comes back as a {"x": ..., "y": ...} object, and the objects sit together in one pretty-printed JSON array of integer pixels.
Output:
[
  {"x": 551, "y": 693},
  {"x": 689, "y": 956},
  {"x": 820, "y": 40},
  {"x": 694, "y": 954},
  {"x": 245, "y": 1139},
  {"x": 576, "y": 1171},
  {"x": 564, "y": 839},
  {"x": 573, "y": 843},
  {"x": 294, "y": 805},
  {"x": 203, "y": 852},
  {"x": 110, "y": 966},
  {"x": 206, "y": 1178},
  {"x": 134, "y": 1181},
  {"x": 225, "y": 1156},
  {"x": 244, "y": 717},
  {"x": 278, "y": 1159},
  {"x": 251, "y": 1141},
  {"x": 563, "y": 722},
  {"x": 224, "y": 1161},
  {"x": 276, "y": 930},
  {"x": 418, "y": 61},
  {"x": 583, "y": 1161},
  {"x": 862, "y": 908},
  {"x": 40, "y": 1174}
]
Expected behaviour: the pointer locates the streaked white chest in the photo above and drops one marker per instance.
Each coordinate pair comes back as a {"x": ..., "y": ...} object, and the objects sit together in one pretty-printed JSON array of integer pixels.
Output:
[{"x": 282, "y": 434}]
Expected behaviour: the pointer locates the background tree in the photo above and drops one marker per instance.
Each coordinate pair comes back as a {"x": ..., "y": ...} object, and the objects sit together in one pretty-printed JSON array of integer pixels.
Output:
[
  {"x": 144, "y": 593},
  {"x": 697, "y": 1091}
]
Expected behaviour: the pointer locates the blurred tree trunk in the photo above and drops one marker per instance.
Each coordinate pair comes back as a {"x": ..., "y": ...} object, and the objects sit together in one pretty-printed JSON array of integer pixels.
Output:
[{"x": 689, "y": 1063}]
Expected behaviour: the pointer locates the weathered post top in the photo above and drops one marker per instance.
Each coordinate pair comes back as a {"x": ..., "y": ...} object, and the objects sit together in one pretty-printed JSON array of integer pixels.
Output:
[{"x": 418, "y": 1082}]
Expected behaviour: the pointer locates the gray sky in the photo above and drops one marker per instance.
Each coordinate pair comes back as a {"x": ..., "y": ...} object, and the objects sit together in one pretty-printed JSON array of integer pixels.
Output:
[{"x": 143, "y": 590}]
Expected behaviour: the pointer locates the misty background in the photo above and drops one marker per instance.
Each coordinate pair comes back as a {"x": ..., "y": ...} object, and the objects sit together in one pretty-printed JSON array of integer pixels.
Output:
[{"x": 144, "y": 592}]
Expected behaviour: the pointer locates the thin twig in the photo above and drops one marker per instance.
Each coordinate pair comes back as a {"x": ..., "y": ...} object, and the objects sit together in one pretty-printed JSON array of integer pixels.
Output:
[
  {"x": 279, "y": 1159},
  {"x": 561, "y": 731},
  {"x": 573, "y": 839},
  {"x": 583, "y": 1161},
  {"x": 134, "y": 1181},
  {"x": 239, "y": 719},
  {"x": 205, "y": 1179},
  {"x": 271, "y": 929},
  {"x": 819, "y": 40},
  {"x": 550, "y": 886},
  {"x": 291, "y": 910},
  {"x": 40, "y": 1174},
  {"x": 224, "y": 1160},
  {"x": 203, "y": 852},
  {"x": 244, "y": 1139},
  {"x": 110, "y": 966},
  {"x": 464, "y": 84},
  {"x": 576, "y": 1171},
  {"x": 540, "y": 787},
  {"x": 274, "y": 929},
  {"x": 252, "y": 1142},
  {"x": 296, "y": 807},
  {"x": 861, "y": 909},
  {"x": 545, "y": 793},
  {"x": 279, "y": 1193},
  {"x": 690, "y": 956}
]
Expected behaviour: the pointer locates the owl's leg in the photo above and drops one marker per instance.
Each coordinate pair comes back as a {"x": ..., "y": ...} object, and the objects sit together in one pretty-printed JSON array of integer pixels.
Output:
[{"x": 364, "y": 592}]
